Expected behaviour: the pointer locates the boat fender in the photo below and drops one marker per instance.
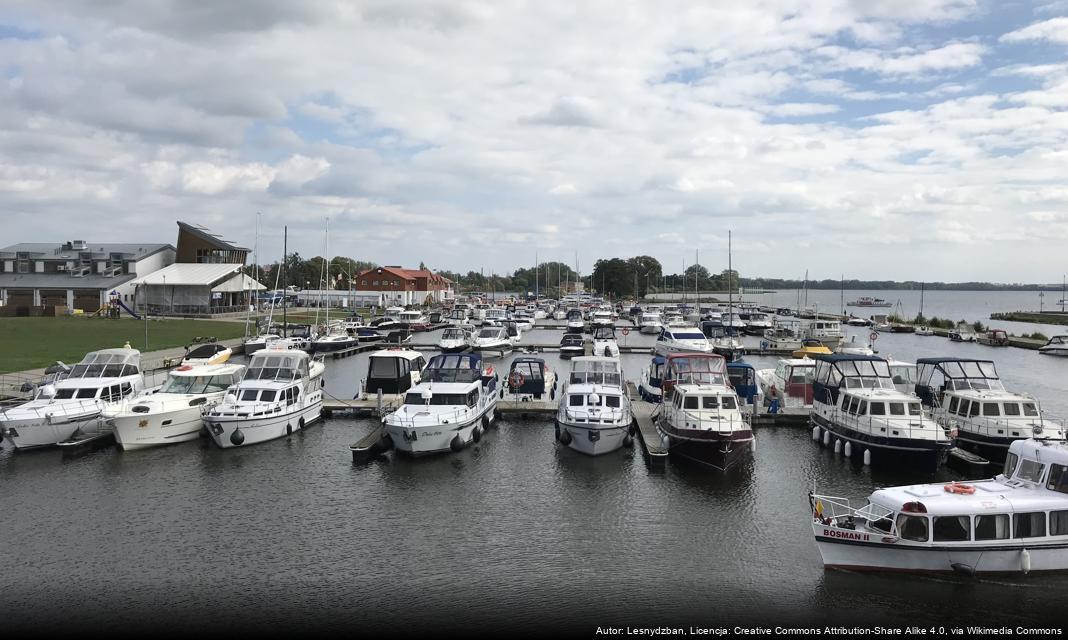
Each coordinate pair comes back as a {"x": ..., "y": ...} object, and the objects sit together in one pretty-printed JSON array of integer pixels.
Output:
[
  {"x": 237, "y": 438},
  {"x": 502, "y": 393},
  {"x": 565, "y": 437},
  {"x": 322, "y": 383},
  {"x": 485, "y": 422},
  {"x": 1025, "y": 561},
  {"x": 301, "y": 423},
  {"x": 628, "y": 441},
  {"x": 476, "y": 434},
  {"x": 963, "y": 569},
  {"x": 457, "y": 443},
  {"x": 289, "y": 429},
  {"x": 552, "y": 393}
]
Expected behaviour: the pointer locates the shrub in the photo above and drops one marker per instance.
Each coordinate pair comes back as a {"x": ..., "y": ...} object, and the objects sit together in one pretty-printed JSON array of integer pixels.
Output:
[{"x": 1038, "y": 336}]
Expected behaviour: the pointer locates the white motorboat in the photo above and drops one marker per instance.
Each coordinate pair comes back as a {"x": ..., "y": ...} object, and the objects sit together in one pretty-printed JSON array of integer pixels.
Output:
[
  {"x": 604, "y": 341},
  {"x": 790, "y": 382},
  {"x": 449, "y": 409},
  {"x": 560, "y": 314},
  {"x": 523, "y": 322},
  {"x": 69, "y": 410},
  {"x": 868, "y": 301},
  {"x": 924, "y": 330},
  {"x": 650, "y": 322},
  {"x": 281, "y": 392},
  {"x": 211, "y": 353},
  {"x": 492, "y": 339},
  {"x": 682, "y": 340},
  {"x": 413, "y": 320},
  {"x": 601, "y": 318},
  {"x": 828, "y": 332},
  {"x": 1057, "y": 346},
  {"x": 575, "y": 322},
  {"x": 699, "y": 418},
  {"x": 454, "y": 340},
  {"x": 856, "y": 407},
  {"x": 593, "y": 416},
  {"x": 252, "y": 344},
  {"x": 337, "y": 340},
  {"x": 674, "y": 319},
  {"x": 757, "y": 323},
  {"x": 967, "y": 398},
  {"x": 732, "y": 321},
  {"x": 173, "y": 412},
  {"x": 492, "y": 317},
  {"x": 854, "y": 321},
  {"x": 783, "y": 335},
  {"x": 995, "y": 526},
  {"x": 571, "y": 345},
  {"x": 457, "y": 318},
  {"x": 854, "y": 348},
  {"x": 649, "y": 385},
  {"x": 962, "y": 333}
]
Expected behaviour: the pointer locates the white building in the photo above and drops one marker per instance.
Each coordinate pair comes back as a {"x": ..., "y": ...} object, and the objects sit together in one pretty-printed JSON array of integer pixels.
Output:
[{"x": 196, "y": 289}]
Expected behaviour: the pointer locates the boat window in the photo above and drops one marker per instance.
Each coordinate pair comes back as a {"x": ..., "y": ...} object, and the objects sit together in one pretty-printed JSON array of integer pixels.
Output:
[
  {"x": 472, "y": 397},
  {"x": 1031, "y": 470},
  {"x": 268, "y": 395},
  {"x": 993, "y": 526},
  {"x": 691, "y": 402},
  {"x": 249, "y": 395},
  {"x": 1030, "y": 409},
  {"x": 962, "y": 410},
  {"x": 1058, "y": 523},
  {"x": 1029, "y": 525},
  {"x": 863, "y": 408},
  {"x": 177, "y": 384},
  {"x": 65, "y": 394},
  {"x": 728, "y": 402},
  {"x": 914, "y": 409},
  {"x": 1010, "y": 464},
  {"x": 85, "y": 393},
  {"x": 1058, "y": 478},
  {"x": 1011, "y": 409},
  {"x": 383, "y": 368},
  {"x": 951, "y": 528},
  {"x": 991, "y": 409},
  {"x": 897, "y": 408},
  {"x": 912, "y": 527},
  {"x": 576, "y": 400},
  {"x": 877, "y": 409},
  {"x": 953, "y": 404},
  {"x": 612, "y": 401},
  {"x": 974, "y": 409},
  {"x": 710, "y": 402}
]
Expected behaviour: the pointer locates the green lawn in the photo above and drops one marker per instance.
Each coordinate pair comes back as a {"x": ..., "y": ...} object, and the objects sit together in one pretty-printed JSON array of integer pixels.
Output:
[{"x": 32, "y": 343}]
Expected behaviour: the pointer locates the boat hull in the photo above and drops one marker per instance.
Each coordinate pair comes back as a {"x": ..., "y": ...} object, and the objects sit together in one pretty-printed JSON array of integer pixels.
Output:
[
  {"x": 37, "y": 432},
  {"x": 433, "y": 439},
  {"x": 260, "y": 429},
  {"x": 143, "y": 430},
  {"x": 1053, "y": 352},
  {"x": 721, "y": 451},
  {"x": 928, "y": 454},
  {"x": 592, "y": 439},
  {"x": 572, "y": 352}
]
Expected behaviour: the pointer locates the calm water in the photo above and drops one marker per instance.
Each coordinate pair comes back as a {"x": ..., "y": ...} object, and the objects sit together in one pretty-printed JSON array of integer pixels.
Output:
[{"x": 512, "y": 534}]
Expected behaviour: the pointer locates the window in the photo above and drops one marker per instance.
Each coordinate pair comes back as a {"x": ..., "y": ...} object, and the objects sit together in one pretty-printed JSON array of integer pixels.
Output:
[
  {"x": 992, "y": 527},
  {"x": 1029, "y": 525},
  {"x": 1011, "y": 409},
  {"x": 612, "y": 401},
  {"x": 951, "y": 528},
  {"x": 383, "y": 368},
  {"x": 472, "y": 397},
  {"x": 863, "y": 408},
  {"x": 363, "y": 282},
  {"x": 710, "y": 402},
  {"x": 1058, "y": 523},
  {"x": 1058, "y": 478},
  {"x": 1010, "y": 464},
  {"x": 64, "y": 394},
  {"x": 974, "y": 410},
  {"x": 728, "y": 402},
  {"x": 963, "y": 409},
  {"x": 376, "y": 283},
  {"x": 83, "y": 394},
  {"x": 991, "y": 409},
  {"x": 691, "y": 402},
  {"x": 1030, "y": 409},
  {"x": 953, "y": 404},
  {"x": 268, "y": 395},
  {"x": 575, "y": 400},
  {"x": 1031, "y": 470},
  {"x": 912, "y": 527},
  {"x": 897, "y": 408},
  {"x": 249, "y": 395},
  {"x": 877, "y": 409}
]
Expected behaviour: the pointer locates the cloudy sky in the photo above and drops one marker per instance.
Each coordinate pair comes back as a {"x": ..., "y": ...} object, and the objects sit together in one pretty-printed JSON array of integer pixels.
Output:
[{"x": 898, "y": 139}]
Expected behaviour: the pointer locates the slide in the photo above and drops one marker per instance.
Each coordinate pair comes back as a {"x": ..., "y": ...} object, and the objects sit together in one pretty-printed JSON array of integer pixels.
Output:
[{"x": 128, "y": 309}]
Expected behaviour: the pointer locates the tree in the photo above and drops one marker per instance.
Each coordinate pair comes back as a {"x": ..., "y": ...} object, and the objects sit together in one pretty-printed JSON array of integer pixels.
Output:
[{"x": 648, "y": 272}]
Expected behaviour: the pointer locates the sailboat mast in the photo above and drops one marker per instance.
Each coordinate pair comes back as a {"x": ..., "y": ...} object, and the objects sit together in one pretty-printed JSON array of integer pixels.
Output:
[
  {"x": 730, "y": 286},
  {"x": 921, "y": 298},
  {"x": 285, "y": 277},
  {"x": 326, "y": 257},
  {"x": 535, "y": 276},
  {"x": 696, "y": 263}
]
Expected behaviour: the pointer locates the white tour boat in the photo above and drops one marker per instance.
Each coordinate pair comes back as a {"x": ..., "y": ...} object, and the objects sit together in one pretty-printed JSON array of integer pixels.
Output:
[
  {"x": 281, "y": 392},
  {"x": 70, "y": 409},
  {"x": 682, "y": 340},
  {"x": 1014, "y": 523},
  {"x": 593, "y": 416},
  {"x": 450, "y": 408},
  {"x": 173, "y": 412}
]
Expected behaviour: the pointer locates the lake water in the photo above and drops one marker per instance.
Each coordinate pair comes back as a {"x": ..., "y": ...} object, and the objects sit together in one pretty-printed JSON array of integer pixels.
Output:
[{"x": 514, "y": 534}]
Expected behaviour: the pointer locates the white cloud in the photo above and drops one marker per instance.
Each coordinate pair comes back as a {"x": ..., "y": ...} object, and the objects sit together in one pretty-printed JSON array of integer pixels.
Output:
[{"x": 1053, "y": 30}]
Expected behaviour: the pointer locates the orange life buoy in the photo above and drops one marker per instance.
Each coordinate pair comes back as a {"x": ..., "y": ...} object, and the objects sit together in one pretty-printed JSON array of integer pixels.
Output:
[
  {"x": 515, "y": 380},
  {"x": 957, "y": 487}
]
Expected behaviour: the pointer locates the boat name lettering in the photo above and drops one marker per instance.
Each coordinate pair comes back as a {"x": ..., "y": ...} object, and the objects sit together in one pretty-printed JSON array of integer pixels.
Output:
[{"x": 848, "y": 535}]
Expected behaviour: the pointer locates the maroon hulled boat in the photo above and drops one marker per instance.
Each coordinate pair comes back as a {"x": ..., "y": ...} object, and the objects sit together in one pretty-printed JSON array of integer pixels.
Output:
[{"x": 700, "y": 417}]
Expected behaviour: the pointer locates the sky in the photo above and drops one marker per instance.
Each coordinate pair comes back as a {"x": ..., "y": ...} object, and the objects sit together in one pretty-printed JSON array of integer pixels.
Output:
[{"x": 913, "y": 139}]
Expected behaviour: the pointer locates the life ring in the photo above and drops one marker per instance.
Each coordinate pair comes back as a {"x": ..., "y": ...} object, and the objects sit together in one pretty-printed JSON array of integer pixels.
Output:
[
  {"x": 873, "y": 336},
  {"x": 960, "y": 488},
  {"x": 625, "y": 331},
  {"x": 515, "y": 380}
]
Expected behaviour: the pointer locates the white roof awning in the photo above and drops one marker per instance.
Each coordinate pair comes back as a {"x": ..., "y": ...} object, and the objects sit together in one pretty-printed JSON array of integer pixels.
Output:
[{"x": 202, "y": 275}]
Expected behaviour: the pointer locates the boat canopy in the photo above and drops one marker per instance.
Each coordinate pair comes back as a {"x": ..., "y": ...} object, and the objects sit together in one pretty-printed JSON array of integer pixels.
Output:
[
  {"x": 937, "y": 375},
  {"x": 594, "y": 370},
  {"x": 107, "y": 363},
  {"x": 604, "y": 333},
  {"x": 454, "y": 367},
  {"x": 277, "y": 365},
  {"x": 836, "y": 371},
  {"x": 695, "y": 368}
]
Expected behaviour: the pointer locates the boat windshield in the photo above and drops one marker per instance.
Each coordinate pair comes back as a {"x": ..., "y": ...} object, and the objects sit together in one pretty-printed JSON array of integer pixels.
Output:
[
  {"x": 104, "y": 365},
  {"x": 276, "y": 367},
  {"x": 439, "y": 399},
  {"x": 697, "y": 370},
  {"x": 604, "y": 333},
  {"x": 197, "y": 384},
  {"x": 452, "y": 368},
  {"x": 489, "y": 333},
  {"x": 452, "y": 334},
  {"x": 604, "y": 372},
  {"x": 688, "y": 336}
]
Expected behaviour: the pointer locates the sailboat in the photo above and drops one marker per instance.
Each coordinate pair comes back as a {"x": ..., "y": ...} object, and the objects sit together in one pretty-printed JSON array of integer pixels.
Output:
[{"x": 330, "y": 338}]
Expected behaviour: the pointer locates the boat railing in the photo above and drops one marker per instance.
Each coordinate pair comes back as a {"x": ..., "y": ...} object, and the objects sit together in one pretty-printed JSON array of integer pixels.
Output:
[
  {"x": 889, "y": 426},
  {"x": 436, "y": 417},
  {"x": 66, "y": 408},
  {"x": 1033, "y": 425}
]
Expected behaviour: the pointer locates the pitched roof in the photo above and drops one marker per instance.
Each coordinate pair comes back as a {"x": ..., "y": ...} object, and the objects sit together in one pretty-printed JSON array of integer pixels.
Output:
[
  {"x": 204, "y": 234},
  {"x": 408, "y": 274},
  {"x": 192, "y": 274}
]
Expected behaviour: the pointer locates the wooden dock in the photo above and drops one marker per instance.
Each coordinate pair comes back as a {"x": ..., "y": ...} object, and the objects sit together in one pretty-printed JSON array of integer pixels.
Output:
[
  {"x": 369, "y": 408},
  {"x": 543, "y": 407},
  {"x": 368, "y": 446},
  {"x": 653, "y": 447}
]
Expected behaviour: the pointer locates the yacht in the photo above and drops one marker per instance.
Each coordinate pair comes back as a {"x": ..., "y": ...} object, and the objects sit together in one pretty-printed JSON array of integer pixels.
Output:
[
  {"x": 995, "y": 526},
  {"x": 414, "y": 320},
  {"x": 604, "y": 341},
  {"x": 674, "y": 319},
  {"x": 855, "y": 348},
  {"x": 724, "y": 341},
  {"x": 682, "y": 339},
  {"x": 173, "y": 412},
  {"x": 601, "y": 318},
  {"x": 810, "y": 348},
  {"x": 994, "y": 338},
  {"x": 523, "y": 321},
  {"x": 962, "y": 333},
  {"x": 650, "y": 322},
  {"x": 530, "y": 379},
  {"x": 1057, "y": 346},
  {"x": 560, "y": 313},
  {"x": 733, "y": 321},
  {"x": 571, "y": 345},
  {"x": 457, "y": 318},
  {"x": 575, "y": 322},
  {"x": 699, "y": 418},
  {"x": 494, "y": 339},
  {"x": 967, "y": 397},
  {"x": 855, "y": 402},
  {"x": 454, "y": 340},
  {"x": 828, "y": 332},
  {"x": 211, "y": 353},
  {"x": 790, "y": 382},
  {"x": 924, "y": 330},
  {"x": 70, "y": 409},
  {"x": 855, "y": 321},
  {"x": 252, "y": 344},
  {"x": 336, "y": 340},
  {"x": 784, "y": 335},
  {"x": 649, "y": 385},
  {"x": 492, "y": 317},
  {"x": 757, "y": 323},
  {"x": 594, "y": 415},
  {"x": 391, "y": 372},
  {"x": 280, "y": 392},
  {"x": 868, "y": 301},
  {"x": 450, "y": 408}
]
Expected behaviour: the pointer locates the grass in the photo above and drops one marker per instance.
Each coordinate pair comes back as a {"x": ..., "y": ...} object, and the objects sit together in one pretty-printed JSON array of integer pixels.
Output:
[{"x": 32, "y": 343}]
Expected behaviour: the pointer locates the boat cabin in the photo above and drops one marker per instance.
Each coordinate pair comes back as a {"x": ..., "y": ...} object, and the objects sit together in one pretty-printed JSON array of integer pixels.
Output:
[
  {"x": 743, "y": 378},
  {"x": 596, "y": 370},
  {"x": 937, "y": 376},
  {"x": 694, "y": 368},
  {"x": 795, "y": 376},
  {"x": 393, "y": 371},
  {"x": 841, "y": 373},
  {"x": 529, "y": 376},
  {"x": 604, "y": 332},
  {"x": 453, "y": 367}
]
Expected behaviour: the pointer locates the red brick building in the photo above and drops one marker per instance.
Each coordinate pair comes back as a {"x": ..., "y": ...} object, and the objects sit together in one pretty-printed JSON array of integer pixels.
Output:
[{"x": 402, "y": 286}]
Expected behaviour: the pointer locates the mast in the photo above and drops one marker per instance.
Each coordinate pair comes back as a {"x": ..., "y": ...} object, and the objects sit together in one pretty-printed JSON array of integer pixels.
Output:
[
  {"x": 535, "y": 277},
  {"x": 921, "y": 298},
  {"x": 326, "y": 267},
  {"x": 843, "y": 294},
  {"x": 696, "y": 293},
  {"x": 256, "y": 275},
  {"x": 285, "y": 277},
  {"x": 730, "y": 287}
]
